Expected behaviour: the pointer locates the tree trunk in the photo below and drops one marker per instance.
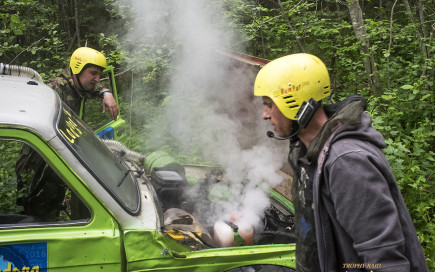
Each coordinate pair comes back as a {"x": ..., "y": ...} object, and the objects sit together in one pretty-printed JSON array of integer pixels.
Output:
[
  {"x": 380, "y": 9},
  {"x": 361, "y": 34},
  {"x": 390, "y": 43},
  {"x": 76, "y": 17},
  {"x": 419, "y": 35},
  {"x": 263, "y": 48},
  {"x": 421, "y": 16}
]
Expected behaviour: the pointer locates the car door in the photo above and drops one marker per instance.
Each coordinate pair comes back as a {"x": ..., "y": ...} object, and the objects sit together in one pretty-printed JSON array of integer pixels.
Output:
[{"x": 49, "y": 219}]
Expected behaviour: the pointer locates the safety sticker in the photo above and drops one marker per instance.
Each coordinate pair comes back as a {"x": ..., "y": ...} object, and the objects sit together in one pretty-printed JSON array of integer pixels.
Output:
[{"x": 23, "y": 257}]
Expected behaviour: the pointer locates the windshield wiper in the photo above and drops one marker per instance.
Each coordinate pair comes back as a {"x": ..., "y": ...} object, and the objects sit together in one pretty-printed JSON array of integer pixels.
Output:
[{"x": 129, "y": 171}]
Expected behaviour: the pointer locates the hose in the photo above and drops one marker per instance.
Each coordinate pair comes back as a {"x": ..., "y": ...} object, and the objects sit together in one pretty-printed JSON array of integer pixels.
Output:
[
  {"x": 283, "y": 233},
  {"x": 127, "y": 153},
  {"x": 15, "y": 70}
]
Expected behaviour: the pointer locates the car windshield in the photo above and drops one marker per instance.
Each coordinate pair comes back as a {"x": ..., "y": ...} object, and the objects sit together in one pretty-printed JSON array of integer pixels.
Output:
[{"x": 99, "y": 160}]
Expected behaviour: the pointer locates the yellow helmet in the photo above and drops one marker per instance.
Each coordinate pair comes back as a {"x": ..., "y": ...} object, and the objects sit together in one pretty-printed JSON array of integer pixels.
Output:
[
  {"x": 292, "y": 80},
  {"x": 86, "y": 55}
]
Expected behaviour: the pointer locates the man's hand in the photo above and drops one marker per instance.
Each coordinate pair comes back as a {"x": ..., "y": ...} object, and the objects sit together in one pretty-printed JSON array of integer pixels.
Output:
[{"x": 110, "y": 103}]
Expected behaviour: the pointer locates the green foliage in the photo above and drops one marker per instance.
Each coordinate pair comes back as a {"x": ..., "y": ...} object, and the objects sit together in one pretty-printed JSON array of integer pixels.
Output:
[
  {"x": 405, "y": 117},
  {"x": 21, "y": 44},
  {"x": 9, "y": 151},
  {"x": 41, "y": 35}
]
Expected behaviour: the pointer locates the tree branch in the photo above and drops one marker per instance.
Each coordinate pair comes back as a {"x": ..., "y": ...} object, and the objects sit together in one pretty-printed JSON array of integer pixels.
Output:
[
  {"x": 25, "y": 50},
  {"x": 289, "y": 24}
]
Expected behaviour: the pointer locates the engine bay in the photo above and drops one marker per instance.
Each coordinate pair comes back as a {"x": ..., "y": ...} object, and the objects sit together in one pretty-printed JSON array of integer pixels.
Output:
[{"x": 203, "y": 213}]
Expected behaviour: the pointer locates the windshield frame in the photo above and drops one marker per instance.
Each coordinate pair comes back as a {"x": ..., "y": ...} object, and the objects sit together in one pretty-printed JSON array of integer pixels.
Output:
[{"x": 130, "y": 180}]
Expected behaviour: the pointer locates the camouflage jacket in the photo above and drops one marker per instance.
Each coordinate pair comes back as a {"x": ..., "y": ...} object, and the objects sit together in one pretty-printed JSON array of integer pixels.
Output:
[{"x": 63, "y": 84}]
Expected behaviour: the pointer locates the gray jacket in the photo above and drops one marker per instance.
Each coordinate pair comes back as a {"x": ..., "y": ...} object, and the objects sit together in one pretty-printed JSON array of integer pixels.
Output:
[{"x": 361, "y": 220}]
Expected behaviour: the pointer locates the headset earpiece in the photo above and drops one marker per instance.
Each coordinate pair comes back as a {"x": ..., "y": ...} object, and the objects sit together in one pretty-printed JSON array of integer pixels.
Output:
[{"x": 306, "y": 112}]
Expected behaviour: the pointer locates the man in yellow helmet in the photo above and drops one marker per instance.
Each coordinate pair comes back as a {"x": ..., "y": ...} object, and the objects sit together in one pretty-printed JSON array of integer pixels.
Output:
[
  {"x": 80, "y": 81},
  {"x": 74, "y": 85},
  {"x": 349, "y": 213}
]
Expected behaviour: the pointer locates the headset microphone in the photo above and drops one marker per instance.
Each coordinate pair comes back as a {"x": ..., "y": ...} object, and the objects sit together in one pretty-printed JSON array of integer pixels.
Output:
[
  {"x": 295, "y": 129},
  {"x": 270, "y": 134}
]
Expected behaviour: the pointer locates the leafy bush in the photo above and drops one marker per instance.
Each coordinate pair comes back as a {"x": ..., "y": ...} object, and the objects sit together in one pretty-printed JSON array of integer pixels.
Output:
[
  {"x": 405, "y": 117},
  {"x": 9, "y": 151},
  {"x": 40, "y": 34}
]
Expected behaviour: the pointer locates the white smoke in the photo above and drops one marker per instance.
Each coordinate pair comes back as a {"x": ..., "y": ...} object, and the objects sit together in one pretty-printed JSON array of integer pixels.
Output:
[{"x": 210, "y": 104}]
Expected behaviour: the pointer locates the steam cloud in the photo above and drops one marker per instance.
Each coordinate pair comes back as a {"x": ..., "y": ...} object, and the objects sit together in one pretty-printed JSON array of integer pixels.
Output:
[{"x": 210, "y": 103}]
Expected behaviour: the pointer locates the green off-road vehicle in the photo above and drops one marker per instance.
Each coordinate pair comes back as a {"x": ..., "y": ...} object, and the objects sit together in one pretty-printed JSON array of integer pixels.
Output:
[{"x": 73, "y": 201}]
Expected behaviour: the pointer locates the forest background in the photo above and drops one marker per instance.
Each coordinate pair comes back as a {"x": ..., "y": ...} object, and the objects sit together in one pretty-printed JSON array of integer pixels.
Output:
[{"x": 383, "y": 50}]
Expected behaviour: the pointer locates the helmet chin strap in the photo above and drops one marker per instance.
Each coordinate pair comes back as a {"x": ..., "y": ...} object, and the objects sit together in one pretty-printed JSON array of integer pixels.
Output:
[
  {"x": 78, "y": 81},
  {"x": 294, "y": 131},
  {"x": 80, "y": 84}
]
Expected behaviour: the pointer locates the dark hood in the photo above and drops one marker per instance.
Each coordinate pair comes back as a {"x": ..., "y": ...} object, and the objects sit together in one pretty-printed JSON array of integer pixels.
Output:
[{"x": 349, "y": 118}]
